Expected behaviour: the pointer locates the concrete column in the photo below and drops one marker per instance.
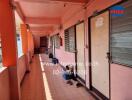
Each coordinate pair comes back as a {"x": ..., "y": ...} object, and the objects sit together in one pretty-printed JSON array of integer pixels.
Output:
[
  {"x": 24, "y": 36},
  {"x": 9, "y": 46}
]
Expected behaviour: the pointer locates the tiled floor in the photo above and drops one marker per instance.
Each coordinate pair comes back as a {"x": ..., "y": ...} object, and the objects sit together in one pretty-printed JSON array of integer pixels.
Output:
[{"x": 45, "y": 82}]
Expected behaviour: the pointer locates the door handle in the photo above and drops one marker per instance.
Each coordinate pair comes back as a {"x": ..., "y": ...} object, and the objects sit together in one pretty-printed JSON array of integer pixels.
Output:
[
  {"x": 75, "y": 51},
  {"x": 108, "y": 56}
]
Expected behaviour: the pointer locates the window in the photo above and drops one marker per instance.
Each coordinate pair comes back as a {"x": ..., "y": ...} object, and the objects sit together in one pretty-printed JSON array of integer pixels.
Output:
[
  {"x": 18, "y": 36},
  {"x": 70, "y": 39},
  {"x": 121, "y": 36},
  {"x": 0, "y": 53},
  {"x": 19, "y": 45},
  {"x": 57, "y": 41}
]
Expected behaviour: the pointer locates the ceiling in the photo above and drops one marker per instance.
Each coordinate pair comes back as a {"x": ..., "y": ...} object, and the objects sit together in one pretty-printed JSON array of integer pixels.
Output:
[
  {"x": 43, "y": 9},
  {"x": 43, "y": 15}
]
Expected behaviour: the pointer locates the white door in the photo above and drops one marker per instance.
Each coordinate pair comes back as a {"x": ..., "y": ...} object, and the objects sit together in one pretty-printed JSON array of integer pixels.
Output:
[
  {"x": 80, "y": 50},
  {"x": 99, "y": 50}
]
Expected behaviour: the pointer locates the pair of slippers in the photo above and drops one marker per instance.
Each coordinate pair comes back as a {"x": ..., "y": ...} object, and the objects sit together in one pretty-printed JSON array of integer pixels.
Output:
[
  {"x": 77, "y": 85},
  {"x": 69, "y": 82}
]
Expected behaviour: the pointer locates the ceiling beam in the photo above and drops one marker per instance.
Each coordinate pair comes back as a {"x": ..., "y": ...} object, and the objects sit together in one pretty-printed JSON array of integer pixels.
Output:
[
  {"x": 44, "y": 20},
  {"x": 40, "y": 33},
  {"x": 41, "y": 29},
  {"x": 18, "y": 10},
  {"x": 72, "y": 1}
]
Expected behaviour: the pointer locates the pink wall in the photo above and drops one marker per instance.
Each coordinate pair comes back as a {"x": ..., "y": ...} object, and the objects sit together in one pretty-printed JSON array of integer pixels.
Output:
[
  {"x": 71, "y": 18},
  {"x": 121, "y": 77},
  {"x": 21, "y": 68},
  {"x": 121, "y": 82},
  {"x": 4, "y": 85},
  {"x": 68, "y": 20}
]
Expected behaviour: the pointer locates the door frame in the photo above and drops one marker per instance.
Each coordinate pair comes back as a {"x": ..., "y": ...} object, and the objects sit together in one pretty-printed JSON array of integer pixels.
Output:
[
  {"x": 90, "y": 55},
  {"x": 41, "y": 38},
  {"x": 89, "y": 50},
  {"x": 53, "y": 46},
  {"x": 82, "y": 80}
]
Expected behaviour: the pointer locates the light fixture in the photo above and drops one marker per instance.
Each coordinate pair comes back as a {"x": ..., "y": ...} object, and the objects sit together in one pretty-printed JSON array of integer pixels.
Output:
[{"x": 64, "y": 4}]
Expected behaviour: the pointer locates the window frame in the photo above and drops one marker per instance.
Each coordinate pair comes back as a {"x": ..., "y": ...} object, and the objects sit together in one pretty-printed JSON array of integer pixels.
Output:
[
  {"x": 111, "y": 59},
  {"x": 70, "y": 45},
  {"x": 57, "y": 41}
]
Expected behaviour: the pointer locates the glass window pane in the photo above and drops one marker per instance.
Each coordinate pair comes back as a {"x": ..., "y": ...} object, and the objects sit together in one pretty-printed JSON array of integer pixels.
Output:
[
  {"x": 18, "y": 34},
  {"x": 0, "y": 53}
]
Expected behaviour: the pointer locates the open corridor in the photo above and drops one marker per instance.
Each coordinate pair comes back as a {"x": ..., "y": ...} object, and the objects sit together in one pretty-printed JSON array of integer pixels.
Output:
[
  {"x": 42, "y": 83},
  {"x": 65, "y": 49}
]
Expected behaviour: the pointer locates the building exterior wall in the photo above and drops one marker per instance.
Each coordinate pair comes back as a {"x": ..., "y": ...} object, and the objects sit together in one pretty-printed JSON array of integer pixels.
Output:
[
  {"x": 71, "y": 18},
  {"x": 120, "y": 75}
]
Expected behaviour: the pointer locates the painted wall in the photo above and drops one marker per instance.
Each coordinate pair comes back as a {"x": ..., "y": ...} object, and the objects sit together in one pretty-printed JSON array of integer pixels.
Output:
[
  {"x": 36, "y": 41},
  {"x": 21, "y": 68},
  {"x": 36, "y": 38},
  {"x": 121, "y": 81},
  {"x": 73, "y": 16},
  {"x": 120, "y": 75},
  {"x": 30, "y": 46},
  {"x": 4, "y": 85}
]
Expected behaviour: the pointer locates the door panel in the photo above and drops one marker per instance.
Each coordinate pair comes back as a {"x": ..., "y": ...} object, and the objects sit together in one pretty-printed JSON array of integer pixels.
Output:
[
  {"x": 80, "y": 50},
  {"x": 99, "y": 50},
  {"x": 43, "y": 44},
  {"x": 43, "y": 41},
  {"x": 53, "y": 46}
]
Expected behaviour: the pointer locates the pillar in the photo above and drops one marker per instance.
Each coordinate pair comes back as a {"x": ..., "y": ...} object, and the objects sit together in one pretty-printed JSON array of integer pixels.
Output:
[
  {"x": 9, "y": 46},
  {"x": 24, "y": 36}
]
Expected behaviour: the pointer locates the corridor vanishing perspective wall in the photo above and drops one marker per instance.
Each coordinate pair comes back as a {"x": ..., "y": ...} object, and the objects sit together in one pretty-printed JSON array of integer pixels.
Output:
[{"x": 120, "y": 76}]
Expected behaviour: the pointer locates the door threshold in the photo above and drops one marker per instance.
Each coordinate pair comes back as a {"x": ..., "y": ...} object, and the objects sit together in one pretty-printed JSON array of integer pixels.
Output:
[
  {"x": 82, "y": 81},
  {"x": 99, "y": 94}
]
